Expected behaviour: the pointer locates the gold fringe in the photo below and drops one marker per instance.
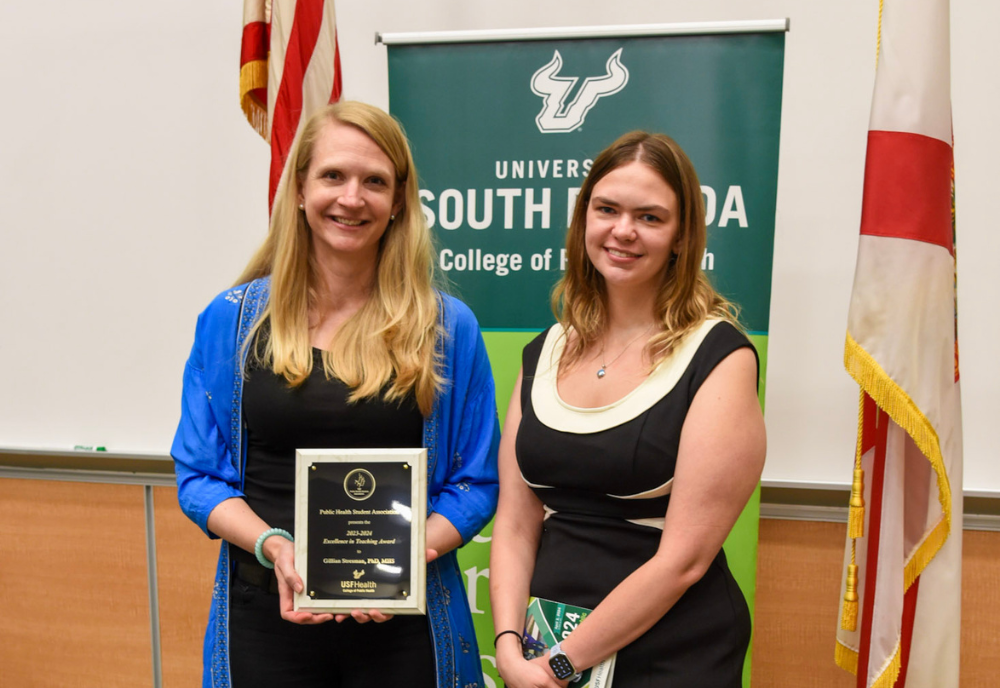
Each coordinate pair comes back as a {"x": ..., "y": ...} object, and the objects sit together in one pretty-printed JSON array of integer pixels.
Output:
[
  {"x": 890, "y": 673},
  {"x": 892, "y": 399},
  {"x": 253, "y": 75},
  {"x": 846, "y": 658},
  {"x": 849, "y": 617},
  {"x": 924, "y": 553}
]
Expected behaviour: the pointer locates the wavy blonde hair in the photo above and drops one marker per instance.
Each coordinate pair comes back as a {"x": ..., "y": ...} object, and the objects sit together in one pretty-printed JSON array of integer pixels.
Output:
[
  {"x": 387, "y": 348},
  {"x": 685, "y": 297}
]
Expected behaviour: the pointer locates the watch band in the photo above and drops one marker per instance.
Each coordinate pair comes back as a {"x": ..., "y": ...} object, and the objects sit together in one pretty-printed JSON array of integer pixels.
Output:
[{"x": 561, "y": 664}]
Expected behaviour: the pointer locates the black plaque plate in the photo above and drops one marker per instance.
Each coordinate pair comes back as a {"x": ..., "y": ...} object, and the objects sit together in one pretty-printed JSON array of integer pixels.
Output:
[{"x": 363, "y": 514}]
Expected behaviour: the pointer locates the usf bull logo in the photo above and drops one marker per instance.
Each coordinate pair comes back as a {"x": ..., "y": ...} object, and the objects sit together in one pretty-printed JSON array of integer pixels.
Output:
[{"x": 556, "y": 114}]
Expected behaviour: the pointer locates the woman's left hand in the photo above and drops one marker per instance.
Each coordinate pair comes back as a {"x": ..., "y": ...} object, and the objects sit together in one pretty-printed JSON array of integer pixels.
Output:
[
  {"x": 534, "y": 673},
  {"x": 362, "y": 616},
  {"x": 543, "y": 662}
]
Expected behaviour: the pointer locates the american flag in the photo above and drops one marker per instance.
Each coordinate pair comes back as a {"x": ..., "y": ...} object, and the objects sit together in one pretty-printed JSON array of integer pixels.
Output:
[{"x": 289, "y": 68}]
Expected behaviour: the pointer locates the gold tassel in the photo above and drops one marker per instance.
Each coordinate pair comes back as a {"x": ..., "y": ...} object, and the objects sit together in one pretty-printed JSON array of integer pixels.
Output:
[
  {"x": 856, "y": 514},
  {"x": 849, "y": 618},
  {"x": 855, "y": 528}
]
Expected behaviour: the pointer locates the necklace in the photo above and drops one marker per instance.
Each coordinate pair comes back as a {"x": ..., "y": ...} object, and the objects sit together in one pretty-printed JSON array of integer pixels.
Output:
[{"x": 604, "y": 366}]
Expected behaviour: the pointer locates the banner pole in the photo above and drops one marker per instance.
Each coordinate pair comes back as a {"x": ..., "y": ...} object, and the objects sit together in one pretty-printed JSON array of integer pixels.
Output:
[{"x": 559, "y": 33}]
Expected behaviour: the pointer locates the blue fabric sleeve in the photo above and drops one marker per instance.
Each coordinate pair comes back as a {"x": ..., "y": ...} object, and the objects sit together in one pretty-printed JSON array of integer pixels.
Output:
[
  {"x": 206, "y": 473},
  {"x": 468, "y": 498}
]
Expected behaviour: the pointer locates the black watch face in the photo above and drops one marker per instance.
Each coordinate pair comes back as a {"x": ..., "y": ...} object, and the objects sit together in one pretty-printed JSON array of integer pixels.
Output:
[{"x": 561, "y": 666}]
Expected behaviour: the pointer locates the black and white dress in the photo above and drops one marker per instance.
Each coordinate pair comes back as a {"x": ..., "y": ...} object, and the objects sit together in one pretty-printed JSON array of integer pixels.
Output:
[{"x": 604, "y": 476}]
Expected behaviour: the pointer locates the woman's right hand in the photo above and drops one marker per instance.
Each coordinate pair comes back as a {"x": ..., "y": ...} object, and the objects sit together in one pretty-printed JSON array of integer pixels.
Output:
[
  {"x": 282, "y": 553},
  {"x": 235, "y": 521}
]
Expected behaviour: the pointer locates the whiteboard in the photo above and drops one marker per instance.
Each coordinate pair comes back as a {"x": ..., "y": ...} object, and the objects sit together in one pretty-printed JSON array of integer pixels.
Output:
[{"x": 133, "y": 191}]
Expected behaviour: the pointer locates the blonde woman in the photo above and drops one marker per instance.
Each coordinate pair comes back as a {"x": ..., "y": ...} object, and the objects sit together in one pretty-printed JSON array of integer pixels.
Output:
[
  {"x": 335, "y": 337},
  {"x": 633, "y": 441}
]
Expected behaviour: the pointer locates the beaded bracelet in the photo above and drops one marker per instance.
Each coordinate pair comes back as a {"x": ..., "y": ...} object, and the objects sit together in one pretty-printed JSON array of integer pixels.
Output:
[
  {"x": 258, "y": 549},
  {"x": 505, "y": 633}
]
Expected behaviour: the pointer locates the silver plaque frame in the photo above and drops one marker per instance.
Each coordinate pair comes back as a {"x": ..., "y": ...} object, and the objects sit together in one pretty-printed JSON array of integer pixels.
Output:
[{"x": 360, "y": 485}]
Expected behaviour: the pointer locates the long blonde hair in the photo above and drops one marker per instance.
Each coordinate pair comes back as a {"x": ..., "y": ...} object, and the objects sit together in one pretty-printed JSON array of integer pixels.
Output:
[
  {"x": 390, "y": 343},
  {"x": 684, "y": 299}
]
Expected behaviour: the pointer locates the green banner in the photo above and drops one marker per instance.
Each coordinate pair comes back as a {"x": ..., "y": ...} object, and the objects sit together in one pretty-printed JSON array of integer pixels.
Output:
[{"x": 503, "y": 134}]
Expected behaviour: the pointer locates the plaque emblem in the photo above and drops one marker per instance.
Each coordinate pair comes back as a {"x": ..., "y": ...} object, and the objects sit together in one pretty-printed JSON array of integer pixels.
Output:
[{"x": 359, "y": 484}]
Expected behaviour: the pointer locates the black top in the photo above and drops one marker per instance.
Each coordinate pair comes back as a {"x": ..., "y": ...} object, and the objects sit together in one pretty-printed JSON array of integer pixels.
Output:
[
  {"x": 314, "y": 415},
  {"x": 604, "y": 476}
]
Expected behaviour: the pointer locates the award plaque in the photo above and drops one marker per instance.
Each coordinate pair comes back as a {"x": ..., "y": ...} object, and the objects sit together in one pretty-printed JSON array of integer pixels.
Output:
[{"x": 359, "y": 530}]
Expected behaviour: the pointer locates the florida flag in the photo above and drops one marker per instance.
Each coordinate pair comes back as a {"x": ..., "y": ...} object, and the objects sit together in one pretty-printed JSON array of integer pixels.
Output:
[
  {"x": 289, "y": 68},
  {"x": 901, "y": 602}
]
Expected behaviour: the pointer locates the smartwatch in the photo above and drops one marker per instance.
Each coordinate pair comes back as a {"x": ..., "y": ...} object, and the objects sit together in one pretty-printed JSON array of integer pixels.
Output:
[{"x": 561, "y": 665}]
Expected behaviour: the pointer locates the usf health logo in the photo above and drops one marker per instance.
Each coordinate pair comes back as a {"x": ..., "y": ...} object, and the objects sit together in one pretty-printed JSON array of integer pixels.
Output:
[{"x": 558, "y": 116}]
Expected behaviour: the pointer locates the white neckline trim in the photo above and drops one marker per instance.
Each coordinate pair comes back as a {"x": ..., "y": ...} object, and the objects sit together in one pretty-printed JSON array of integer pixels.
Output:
[{"x": 555, "y": 413}]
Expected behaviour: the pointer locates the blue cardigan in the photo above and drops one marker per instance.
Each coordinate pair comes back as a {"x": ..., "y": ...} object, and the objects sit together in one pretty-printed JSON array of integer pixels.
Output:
[{"x": 461, "y": 436}]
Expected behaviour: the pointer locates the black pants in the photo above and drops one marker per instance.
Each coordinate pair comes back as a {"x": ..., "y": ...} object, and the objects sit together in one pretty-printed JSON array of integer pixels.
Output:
[{"x": 267, "y": 651}]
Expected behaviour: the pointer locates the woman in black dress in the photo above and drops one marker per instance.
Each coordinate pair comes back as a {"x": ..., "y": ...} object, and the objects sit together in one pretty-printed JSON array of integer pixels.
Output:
[{"x": 633, "y": 440}]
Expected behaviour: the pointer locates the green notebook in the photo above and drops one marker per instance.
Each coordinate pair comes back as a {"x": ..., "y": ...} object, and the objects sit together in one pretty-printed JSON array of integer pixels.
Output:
[{"x": 546, "y": 623}]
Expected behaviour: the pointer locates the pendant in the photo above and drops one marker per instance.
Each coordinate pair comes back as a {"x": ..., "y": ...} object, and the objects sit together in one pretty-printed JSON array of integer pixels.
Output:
[{"x": 601, "y": 373}]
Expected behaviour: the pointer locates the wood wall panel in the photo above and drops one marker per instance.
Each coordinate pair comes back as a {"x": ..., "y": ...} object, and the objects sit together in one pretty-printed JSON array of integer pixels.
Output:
[
  {"x": 798, "y": 593},
  {"x": 74, "y": 598},
  {"x": 980, "y": 609},
  {"x": 185, "y": 564}
]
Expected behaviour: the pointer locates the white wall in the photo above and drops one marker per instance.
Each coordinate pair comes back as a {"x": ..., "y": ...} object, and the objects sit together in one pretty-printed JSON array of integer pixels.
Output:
[{"x": 133, "y": 191}]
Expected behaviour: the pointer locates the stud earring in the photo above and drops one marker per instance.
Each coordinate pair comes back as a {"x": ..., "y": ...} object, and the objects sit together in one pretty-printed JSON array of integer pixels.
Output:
[
  {"x": 392, "y": 218},
  {"x": 302, "y": 206}
]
